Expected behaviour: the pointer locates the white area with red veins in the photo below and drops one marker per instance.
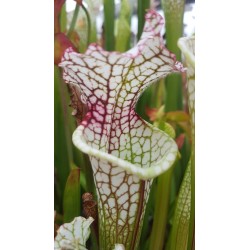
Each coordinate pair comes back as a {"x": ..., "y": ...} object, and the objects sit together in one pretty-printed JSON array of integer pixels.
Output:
[
  {"x": 73, "y": 235},
  {"x": 187, "y": 46},
  {"x": 123, "y": 148}
]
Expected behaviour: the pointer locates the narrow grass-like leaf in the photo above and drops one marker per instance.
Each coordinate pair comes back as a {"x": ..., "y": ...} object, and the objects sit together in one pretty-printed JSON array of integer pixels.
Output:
[
  {"x": 180, "y": 228},
  {"x": 65, "y": 154},
  {"x": 71, "y": 199},
  {"x": 142, "y": 7},
  {"x": 177, "y": 116},
  {"x": 187, "y": 46},
  {"x": 173, "y": 93},
  {"x": 58, "y": 4},
  {"x": 93, "y": 8},
  {"x": 73, "y": 21},
  {"x": 157, "y": 239},
  {"x": 88, "y": 23},
  {"x": 173, "y": 11},
  {"x": 191, "y": 236},
  {"x": 62, "y": 138},
  {"x": 123, "y": 28},
  {"x": 185, "y": 153},
  {"x": 147, "y": 95},
  {"x": 109, "y": 24},
  {"x": 63, "y": 19},
  {"x": 81, "y": 160}
]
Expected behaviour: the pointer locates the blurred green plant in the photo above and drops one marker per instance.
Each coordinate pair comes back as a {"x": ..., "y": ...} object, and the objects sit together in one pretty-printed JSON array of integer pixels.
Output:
[
  {"x": 168, "y": 193},
  {"x": 187, "y": 46}
]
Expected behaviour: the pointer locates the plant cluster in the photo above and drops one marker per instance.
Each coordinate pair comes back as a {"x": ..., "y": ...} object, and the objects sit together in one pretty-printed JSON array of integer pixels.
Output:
[{"x": 128, "y": 181}]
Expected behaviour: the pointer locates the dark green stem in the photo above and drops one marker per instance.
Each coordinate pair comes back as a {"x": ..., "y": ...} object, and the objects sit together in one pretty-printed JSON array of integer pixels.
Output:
[
  {"x": 143, "y": 5},
  {"x": 74, "y": 19},
  {"x": 73, "y": 22},
  {"x": 192, "y": 213},
  {"x": 109, "y": 24},
  {"x": 173, "y": 11},
  {"x": 173, "y": 85},
  {"x": 88, "y": 21},
  {"x": 63, "y": 19},
  {"x": 66, "y": 118},
  {"x": 62, "y": 141},
  {"x": 157, "y": 239}
]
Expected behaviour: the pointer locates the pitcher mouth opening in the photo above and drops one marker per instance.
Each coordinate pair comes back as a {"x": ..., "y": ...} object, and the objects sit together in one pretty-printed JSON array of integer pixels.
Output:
[{"x": 151, "y": 172}]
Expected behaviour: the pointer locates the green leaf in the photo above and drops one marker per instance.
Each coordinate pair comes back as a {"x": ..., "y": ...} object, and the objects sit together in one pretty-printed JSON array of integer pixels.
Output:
[
  {"x": 62, "y": 138},
  {"x": 180, "y": 228},
  {"x": 166, "y": 127},
  {"x": 71, "y": 201},
  {"x": 177, "y": 116},
  {"x": 187, "y": 46},
  {"x": 123, "y": 28},
  {"x": 109, "y": 24},
  {"x": 173, "y": 11},
  {"x": 142, "y": 7},
  {"x": 63, "y": 18},
  {"x": 73, "y": 21},
  {"x": 73, "y": 236},
  {"x": 93, "y": 10},
  {"x": 157, "y": 238}
]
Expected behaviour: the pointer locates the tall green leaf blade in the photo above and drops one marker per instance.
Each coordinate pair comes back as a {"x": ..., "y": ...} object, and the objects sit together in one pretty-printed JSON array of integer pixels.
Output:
[
  {"x": 187, "y": 46},
  {"x": 63, "y": 19},
  {"x": 78, "y": 109},
  {"x": 71, "y": 200},
  {"x": 180, "y": 228},
  {"x": 92, "y": 14},
  {"x": 123, "y": 28},
  {"x": 142, "y": 7},
  {"x": 73, "y": 21},
  {"x": 157, "y": 239},
  {"x": 191, "y": 236},
  {"x": 62, "y": 139},
  {"x": 173, "y": 11},
  {"x": 109, "y": 24},
  {"x": 173, "y": 93}
]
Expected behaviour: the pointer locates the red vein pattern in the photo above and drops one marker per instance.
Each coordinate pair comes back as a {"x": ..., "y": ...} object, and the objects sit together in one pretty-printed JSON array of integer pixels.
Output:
[
  {"x": 73, "y": 235},
  {"x": 110, "y": 84}
]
